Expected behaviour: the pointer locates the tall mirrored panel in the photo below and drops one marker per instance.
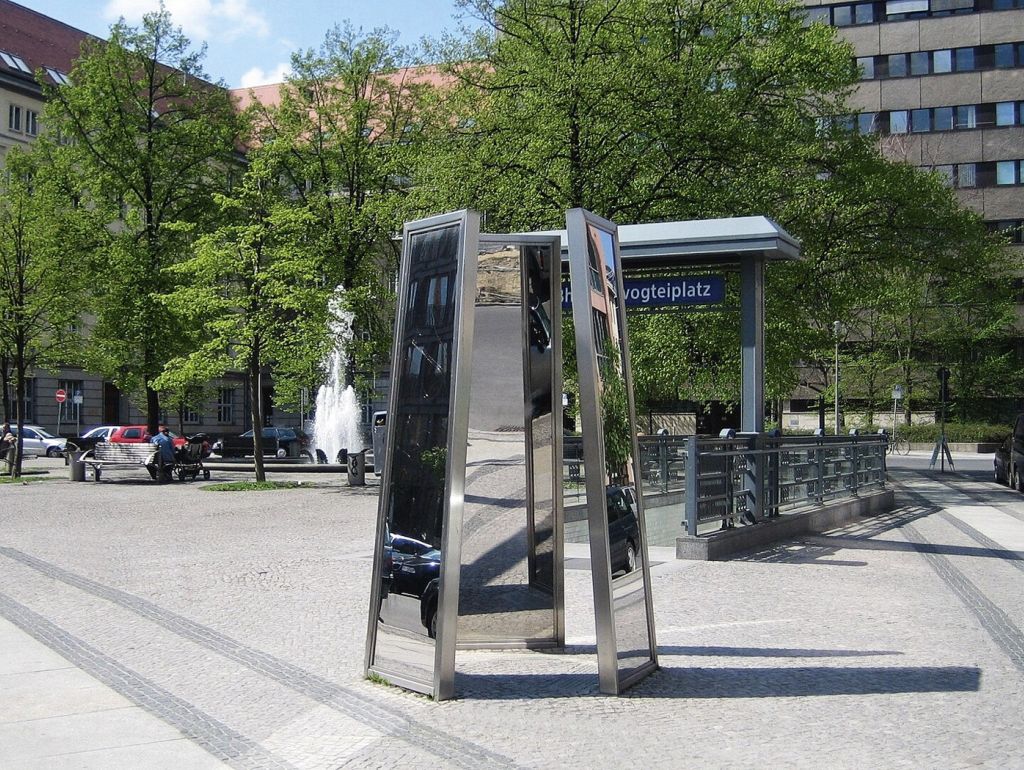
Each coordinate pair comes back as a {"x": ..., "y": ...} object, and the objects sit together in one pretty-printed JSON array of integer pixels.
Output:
[
  {"x": 510, "y": 590},
  {"x": 411, "y": 634},
  {"x": 618, "y": 543}
]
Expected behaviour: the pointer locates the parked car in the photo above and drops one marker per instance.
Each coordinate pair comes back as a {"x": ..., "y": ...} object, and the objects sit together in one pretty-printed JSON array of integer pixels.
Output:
[
  {"x": 99, "y": 433},
  {"x": 1001, "y": 461},
  {"x": 428, "y": 607},
  {"x": 139, "y": 434},
  {"x": 623, "y": 528},
  {"x": 1015, "y": 474},
  {"x": 40, "y": 442},
  {"x": 413, "y": 565},
  {"x": 93, "y": 436},
  {"x": 277, "y": 442}
]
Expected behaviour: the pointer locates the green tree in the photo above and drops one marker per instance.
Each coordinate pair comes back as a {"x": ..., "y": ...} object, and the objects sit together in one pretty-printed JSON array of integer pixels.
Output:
[
  {"x": 255, "y": 291},
  {"x": 41, "y": 280},
  {"x": 152, "y": 140},
  {"x": 345, "y": 132}
]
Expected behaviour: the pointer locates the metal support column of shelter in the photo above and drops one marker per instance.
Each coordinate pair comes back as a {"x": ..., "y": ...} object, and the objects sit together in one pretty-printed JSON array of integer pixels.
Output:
[{"x": 752, "y": 393}]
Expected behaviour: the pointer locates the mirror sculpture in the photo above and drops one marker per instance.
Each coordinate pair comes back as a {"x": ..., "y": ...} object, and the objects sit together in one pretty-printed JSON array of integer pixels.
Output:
[
  {"x": 469, "y": 530},
  {"x": 414, "y": 594},
  {"x": 623, "y": 609}
]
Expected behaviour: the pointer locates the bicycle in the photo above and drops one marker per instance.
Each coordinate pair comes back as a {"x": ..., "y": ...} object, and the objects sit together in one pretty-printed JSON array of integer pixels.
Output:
[{"x": 897, "y": 445}]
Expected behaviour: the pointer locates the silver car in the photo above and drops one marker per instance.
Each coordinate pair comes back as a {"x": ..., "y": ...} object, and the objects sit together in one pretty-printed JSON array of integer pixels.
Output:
[{"x": 40, "y": 442}]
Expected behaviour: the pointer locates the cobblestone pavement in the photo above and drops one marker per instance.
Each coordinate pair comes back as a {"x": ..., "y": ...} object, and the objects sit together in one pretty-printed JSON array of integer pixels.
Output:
[{"x": 239, "y": 620}]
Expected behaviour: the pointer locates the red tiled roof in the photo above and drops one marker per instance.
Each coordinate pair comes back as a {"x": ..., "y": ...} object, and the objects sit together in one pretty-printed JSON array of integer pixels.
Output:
[{"x": 37, "y": 39}]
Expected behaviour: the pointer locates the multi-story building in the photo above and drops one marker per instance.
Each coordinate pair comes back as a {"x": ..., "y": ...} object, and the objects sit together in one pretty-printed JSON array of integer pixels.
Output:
[{"x": 942, "y": 86}]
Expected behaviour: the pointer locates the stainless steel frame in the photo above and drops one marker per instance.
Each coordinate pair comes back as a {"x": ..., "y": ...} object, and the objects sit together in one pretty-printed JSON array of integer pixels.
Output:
[
  {"x": 439, "y": 683},
  {"x": 612, "y": 598}
]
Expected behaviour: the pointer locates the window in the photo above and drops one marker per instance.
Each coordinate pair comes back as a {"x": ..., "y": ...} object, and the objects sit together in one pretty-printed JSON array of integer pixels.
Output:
[
  {"x": 898, "y": 9},
  {"x": 864, "y": 13},
  {"x": 28, "y": 406},
  {"x": 964, "y": 59},
  {"x": 919, "y": 63},
  {"x": 14, "y": 118},
  {"x": 1006, "y": 172},
  {"x": 899, "y": 122},
  {"x": 942, "y": 119},
  {"x": 15, "y": 62},
  {"x": 947, "y": 175},
  {"x": 966, "y": 116},
  {"x": 867, "y": 123},
  {"x": 842, "y": 15},
  {"x": 966, "y": 175},
  {"x": 71, "y": 410},
  {"x": 1006, "y": 113},
  {"x": 820, "y": 15},
  {"x": 58, "y": 77},
  {"x": 898, "y": 65},
  {"x": 920, "y": 121},
  {"x": 226, "y": 405},
  {"x": 31, "y": 122},
  {"x": 942, "y": 61},
  {"x": 866, "y": 65}
]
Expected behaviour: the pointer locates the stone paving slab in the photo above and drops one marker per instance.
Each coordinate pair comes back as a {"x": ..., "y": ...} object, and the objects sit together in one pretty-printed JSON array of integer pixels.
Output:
[{"x": 240, "y": 620}]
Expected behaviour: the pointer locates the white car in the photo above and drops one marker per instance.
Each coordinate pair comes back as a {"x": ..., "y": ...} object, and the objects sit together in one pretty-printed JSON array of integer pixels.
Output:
[
  {"x": 38, "y": 441},
  {"x": 100, "y": 433}
]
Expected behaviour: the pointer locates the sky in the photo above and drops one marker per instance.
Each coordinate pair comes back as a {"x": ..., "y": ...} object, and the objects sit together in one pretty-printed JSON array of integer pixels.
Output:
[{"x": 250, "y": 42}]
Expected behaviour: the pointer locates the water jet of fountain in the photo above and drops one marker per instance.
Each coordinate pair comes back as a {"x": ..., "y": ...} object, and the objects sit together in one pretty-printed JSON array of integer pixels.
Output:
[{"x": 336, "y": 423}]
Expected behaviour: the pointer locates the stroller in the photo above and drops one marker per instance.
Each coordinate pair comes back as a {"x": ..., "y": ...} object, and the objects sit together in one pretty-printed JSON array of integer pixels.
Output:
[{"x": 188, "y": 459}]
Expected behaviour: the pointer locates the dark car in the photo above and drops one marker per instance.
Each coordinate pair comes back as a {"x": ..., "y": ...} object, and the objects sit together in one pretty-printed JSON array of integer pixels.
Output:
[
  {"x": 1001, "y": 461},
  {"x": 413, "y": 565},
  {"x": 428, "y": 607},
  {"x": 623, "y": 528},
  {"x": 1015, "y": 474},
  {"x": 277, "y": 442}
]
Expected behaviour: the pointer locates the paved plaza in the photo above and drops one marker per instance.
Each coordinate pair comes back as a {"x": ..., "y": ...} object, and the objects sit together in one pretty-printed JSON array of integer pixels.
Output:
[{"x": 146, "y": 626}]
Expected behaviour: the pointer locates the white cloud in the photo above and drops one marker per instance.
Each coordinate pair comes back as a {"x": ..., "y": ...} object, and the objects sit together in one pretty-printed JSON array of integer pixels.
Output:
[
  {"x": 202, "y": 20},
  {"x": 258, "y": 77}
]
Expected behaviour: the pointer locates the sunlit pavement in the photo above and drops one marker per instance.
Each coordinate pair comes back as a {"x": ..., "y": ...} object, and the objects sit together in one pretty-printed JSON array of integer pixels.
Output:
[{"x": 163, "y": 626}]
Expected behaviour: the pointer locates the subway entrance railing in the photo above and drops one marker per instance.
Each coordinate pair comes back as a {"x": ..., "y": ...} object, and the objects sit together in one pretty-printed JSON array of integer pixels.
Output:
[{"x": 741, "y": 479}]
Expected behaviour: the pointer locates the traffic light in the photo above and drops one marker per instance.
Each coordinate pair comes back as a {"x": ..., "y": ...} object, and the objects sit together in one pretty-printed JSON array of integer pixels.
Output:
[{"x": 943, "y": 375}]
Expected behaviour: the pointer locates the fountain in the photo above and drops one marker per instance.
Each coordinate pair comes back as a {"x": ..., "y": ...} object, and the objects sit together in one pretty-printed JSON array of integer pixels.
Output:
[{"x": 336, "y": 424}]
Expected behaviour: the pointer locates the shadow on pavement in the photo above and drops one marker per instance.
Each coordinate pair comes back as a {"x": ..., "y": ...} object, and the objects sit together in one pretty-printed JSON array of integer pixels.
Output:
[{"x": 671, "y": 682}]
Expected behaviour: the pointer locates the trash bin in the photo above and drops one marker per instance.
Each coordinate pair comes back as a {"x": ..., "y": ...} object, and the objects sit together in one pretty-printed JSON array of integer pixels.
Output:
[
  {"x": 76, "y": 467},
  {"x": 357, "y": 468}
]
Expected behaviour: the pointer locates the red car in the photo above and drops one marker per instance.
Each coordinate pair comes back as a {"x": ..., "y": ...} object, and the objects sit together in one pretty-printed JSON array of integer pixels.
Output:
[{"x": 139, "y": 434}]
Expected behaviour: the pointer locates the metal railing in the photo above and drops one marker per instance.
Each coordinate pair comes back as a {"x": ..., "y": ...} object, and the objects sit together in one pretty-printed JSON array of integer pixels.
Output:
[
  {"x": 755, "y": 477},
  {"x": 747, "y": 478}
]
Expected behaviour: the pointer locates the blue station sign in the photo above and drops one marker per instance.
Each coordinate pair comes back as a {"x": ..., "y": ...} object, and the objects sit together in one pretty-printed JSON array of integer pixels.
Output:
[{"x": 662, "y": 292}]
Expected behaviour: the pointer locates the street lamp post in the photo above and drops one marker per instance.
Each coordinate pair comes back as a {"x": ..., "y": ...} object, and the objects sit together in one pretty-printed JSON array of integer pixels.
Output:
[{"x": 835, "y": 328}]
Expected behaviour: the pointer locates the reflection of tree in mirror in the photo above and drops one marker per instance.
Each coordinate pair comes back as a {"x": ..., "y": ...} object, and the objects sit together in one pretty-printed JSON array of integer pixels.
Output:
[
  {"x": 435, "y": 461},
  {"x": 618, "y": 442}
]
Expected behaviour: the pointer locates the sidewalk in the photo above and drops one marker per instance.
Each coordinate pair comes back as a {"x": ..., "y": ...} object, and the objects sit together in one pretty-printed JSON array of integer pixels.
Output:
[
  {"x": 54, "y": 715},
  {"x": 239, "y": 621}
]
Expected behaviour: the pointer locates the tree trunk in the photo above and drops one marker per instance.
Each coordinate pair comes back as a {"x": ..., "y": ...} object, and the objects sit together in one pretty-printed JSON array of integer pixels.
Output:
[
  {"x": 19, "y": 409},
  {"x": 256, "y": 413}
]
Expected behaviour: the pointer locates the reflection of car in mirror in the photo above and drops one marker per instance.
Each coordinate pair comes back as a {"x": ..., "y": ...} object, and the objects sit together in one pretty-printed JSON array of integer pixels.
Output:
[
  {"x": 623, "y": 528},
  {"x": 428, "y": 607},
  {"x": 414, "y": 564}
]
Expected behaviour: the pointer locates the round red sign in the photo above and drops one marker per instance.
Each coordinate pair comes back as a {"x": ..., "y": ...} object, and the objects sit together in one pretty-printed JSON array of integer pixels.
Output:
[{"x": 61, "y": 396}]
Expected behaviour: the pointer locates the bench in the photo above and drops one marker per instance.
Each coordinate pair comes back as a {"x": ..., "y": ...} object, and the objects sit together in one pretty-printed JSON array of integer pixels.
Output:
[{"x": 108, "y": 455}]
